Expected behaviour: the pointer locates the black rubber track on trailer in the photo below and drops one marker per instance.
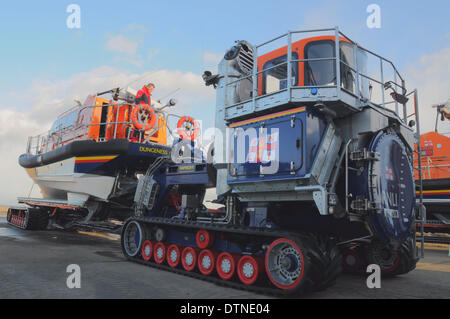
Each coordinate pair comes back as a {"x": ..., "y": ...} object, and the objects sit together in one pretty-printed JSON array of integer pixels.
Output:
[
  {"x": 273, "y": 291},
  {"x": 36, "y": 220}
]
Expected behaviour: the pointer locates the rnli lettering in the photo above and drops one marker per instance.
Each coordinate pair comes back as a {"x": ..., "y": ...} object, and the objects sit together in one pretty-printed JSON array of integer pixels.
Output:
[
  {"x": 153, "y": 150},
  {"x": 390, "y": 199}
]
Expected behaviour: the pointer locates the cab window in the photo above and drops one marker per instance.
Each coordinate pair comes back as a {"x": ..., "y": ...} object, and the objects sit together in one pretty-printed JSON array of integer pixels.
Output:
[
  {"x": 347, "y": 64},
  {"x": 275, "y": 79},
  {"x": 320, "y": 73}
]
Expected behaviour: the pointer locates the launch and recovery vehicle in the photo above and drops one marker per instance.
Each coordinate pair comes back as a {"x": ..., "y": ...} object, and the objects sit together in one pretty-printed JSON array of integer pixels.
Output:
[{"x": 312, "y": 165}]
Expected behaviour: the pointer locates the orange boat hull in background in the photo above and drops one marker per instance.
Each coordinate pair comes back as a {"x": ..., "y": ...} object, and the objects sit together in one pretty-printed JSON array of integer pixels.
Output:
[{"x": 435, "y": 157}]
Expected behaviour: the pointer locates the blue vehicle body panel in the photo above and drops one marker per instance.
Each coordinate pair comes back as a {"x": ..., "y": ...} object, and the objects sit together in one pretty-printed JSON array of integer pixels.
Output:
[
  {"x": 191, "y": 174},
  {"x": 292, "y": 137}
]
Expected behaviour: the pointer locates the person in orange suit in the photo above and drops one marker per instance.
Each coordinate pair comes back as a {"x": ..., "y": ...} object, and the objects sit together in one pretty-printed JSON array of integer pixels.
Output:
[{"x": 144, "y": 94}]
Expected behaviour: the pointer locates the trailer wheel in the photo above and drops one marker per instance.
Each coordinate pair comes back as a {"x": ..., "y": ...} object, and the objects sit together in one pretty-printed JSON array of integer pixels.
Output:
[
  {"x": 286, "y": 264},
  {"x": 132, "y": 238}
]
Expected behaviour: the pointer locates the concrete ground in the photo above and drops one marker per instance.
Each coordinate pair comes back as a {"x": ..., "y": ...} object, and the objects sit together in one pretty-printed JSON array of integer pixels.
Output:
[{"x": 33, "y": 265}]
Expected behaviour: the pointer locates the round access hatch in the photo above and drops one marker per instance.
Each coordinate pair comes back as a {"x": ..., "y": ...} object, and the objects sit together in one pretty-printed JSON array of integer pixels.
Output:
[{"x": 391, "y": 187}]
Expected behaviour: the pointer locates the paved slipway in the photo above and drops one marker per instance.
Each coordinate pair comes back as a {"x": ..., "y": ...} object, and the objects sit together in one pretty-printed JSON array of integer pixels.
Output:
[{"x": 33, "y": 265}]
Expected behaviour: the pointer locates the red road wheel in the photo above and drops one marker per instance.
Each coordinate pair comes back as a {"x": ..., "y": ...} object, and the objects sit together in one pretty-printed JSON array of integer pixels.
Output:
[
  {"x": 382, "y": 255},
  {"x": 351, "y": 261},
  {"x": 390, "y": 270},
  {"x": 204, "y": 239},
  {"x": 226, "y": 264},
  {"x": 147, "y": 250},
  {"x": 248, "y": 269},
  {"x": 189, "y": 258},
  {"x": 285, "y": 264},
  {"x": 206, "y": 261},
  {"x": 159, "y": 253},
  {"x": 173, "y": 255}
]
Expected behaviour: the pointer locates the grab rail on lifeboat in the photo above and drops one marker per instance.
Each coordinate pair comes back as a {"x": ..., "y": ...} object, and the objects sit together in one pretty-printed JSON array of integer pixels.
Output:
[{"x": 62, "y": 135}]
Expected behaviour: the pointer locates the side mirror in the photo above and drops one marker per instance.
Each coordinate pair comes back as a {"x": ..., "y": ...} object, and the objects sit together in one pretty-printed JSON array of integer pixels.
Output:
[
  {"x": 400, "y": 98},
  {"x": 412, "y": 123},
  {"x": 210, "y": 79}
]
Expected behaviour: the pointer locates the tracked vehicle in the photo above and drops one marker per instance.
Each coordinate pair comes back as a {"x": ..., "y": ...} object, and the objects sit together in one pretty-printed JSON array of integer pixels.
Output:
[{"x": 312, "y": 163}]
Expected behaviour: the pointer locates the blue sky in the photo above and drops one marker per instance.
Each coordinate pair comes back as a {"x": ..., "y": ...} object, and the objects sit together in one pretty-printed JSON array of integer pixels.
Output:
[
  {"x": 44, "y": 64},
  {"x": 37, "y": 43}
]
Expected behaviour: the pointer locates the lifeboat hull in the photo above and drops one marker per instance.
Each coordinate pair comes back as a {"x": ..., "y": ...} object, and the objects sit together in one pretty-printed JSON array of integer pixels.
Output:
[{"x": 88, "y": 170}]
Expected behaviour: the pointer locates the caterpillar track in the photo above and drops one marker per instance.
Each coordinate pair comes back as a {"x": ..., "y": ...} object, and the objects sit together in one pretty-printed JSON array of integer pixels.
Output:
[
  {"x": 356, "y": 258},
  {"x": 317, "y": 268},
  {"x": 27, "y": 218}
]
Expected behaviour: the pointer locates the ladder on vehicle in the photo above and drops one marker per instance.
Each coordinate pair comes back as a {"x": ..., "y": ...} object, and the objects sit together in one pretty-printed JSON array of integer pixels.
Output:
[
  {"x": 147, "y": 191},
  {"x": 421, "y": 214}
]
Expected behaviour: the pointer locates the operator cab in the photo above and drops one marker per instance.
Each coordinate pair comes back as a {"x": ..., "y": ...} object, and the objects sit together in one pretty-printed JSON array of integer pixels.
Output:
[
  {"x": 329, "y": 70},
  {"x": 319, "y": 69}
]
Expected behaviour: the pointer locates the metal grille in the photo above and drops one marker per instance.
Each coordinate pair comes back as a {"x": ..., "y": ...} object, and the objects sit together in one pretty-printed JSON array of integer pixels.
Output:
[{"x": 245, "y": 59}]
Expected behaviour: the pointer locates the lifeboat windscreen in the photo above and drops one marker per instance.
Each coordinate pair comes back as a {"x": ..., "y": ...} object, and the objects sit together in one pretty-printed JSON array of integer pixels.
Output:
[{"x": 64, "y": 122}]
